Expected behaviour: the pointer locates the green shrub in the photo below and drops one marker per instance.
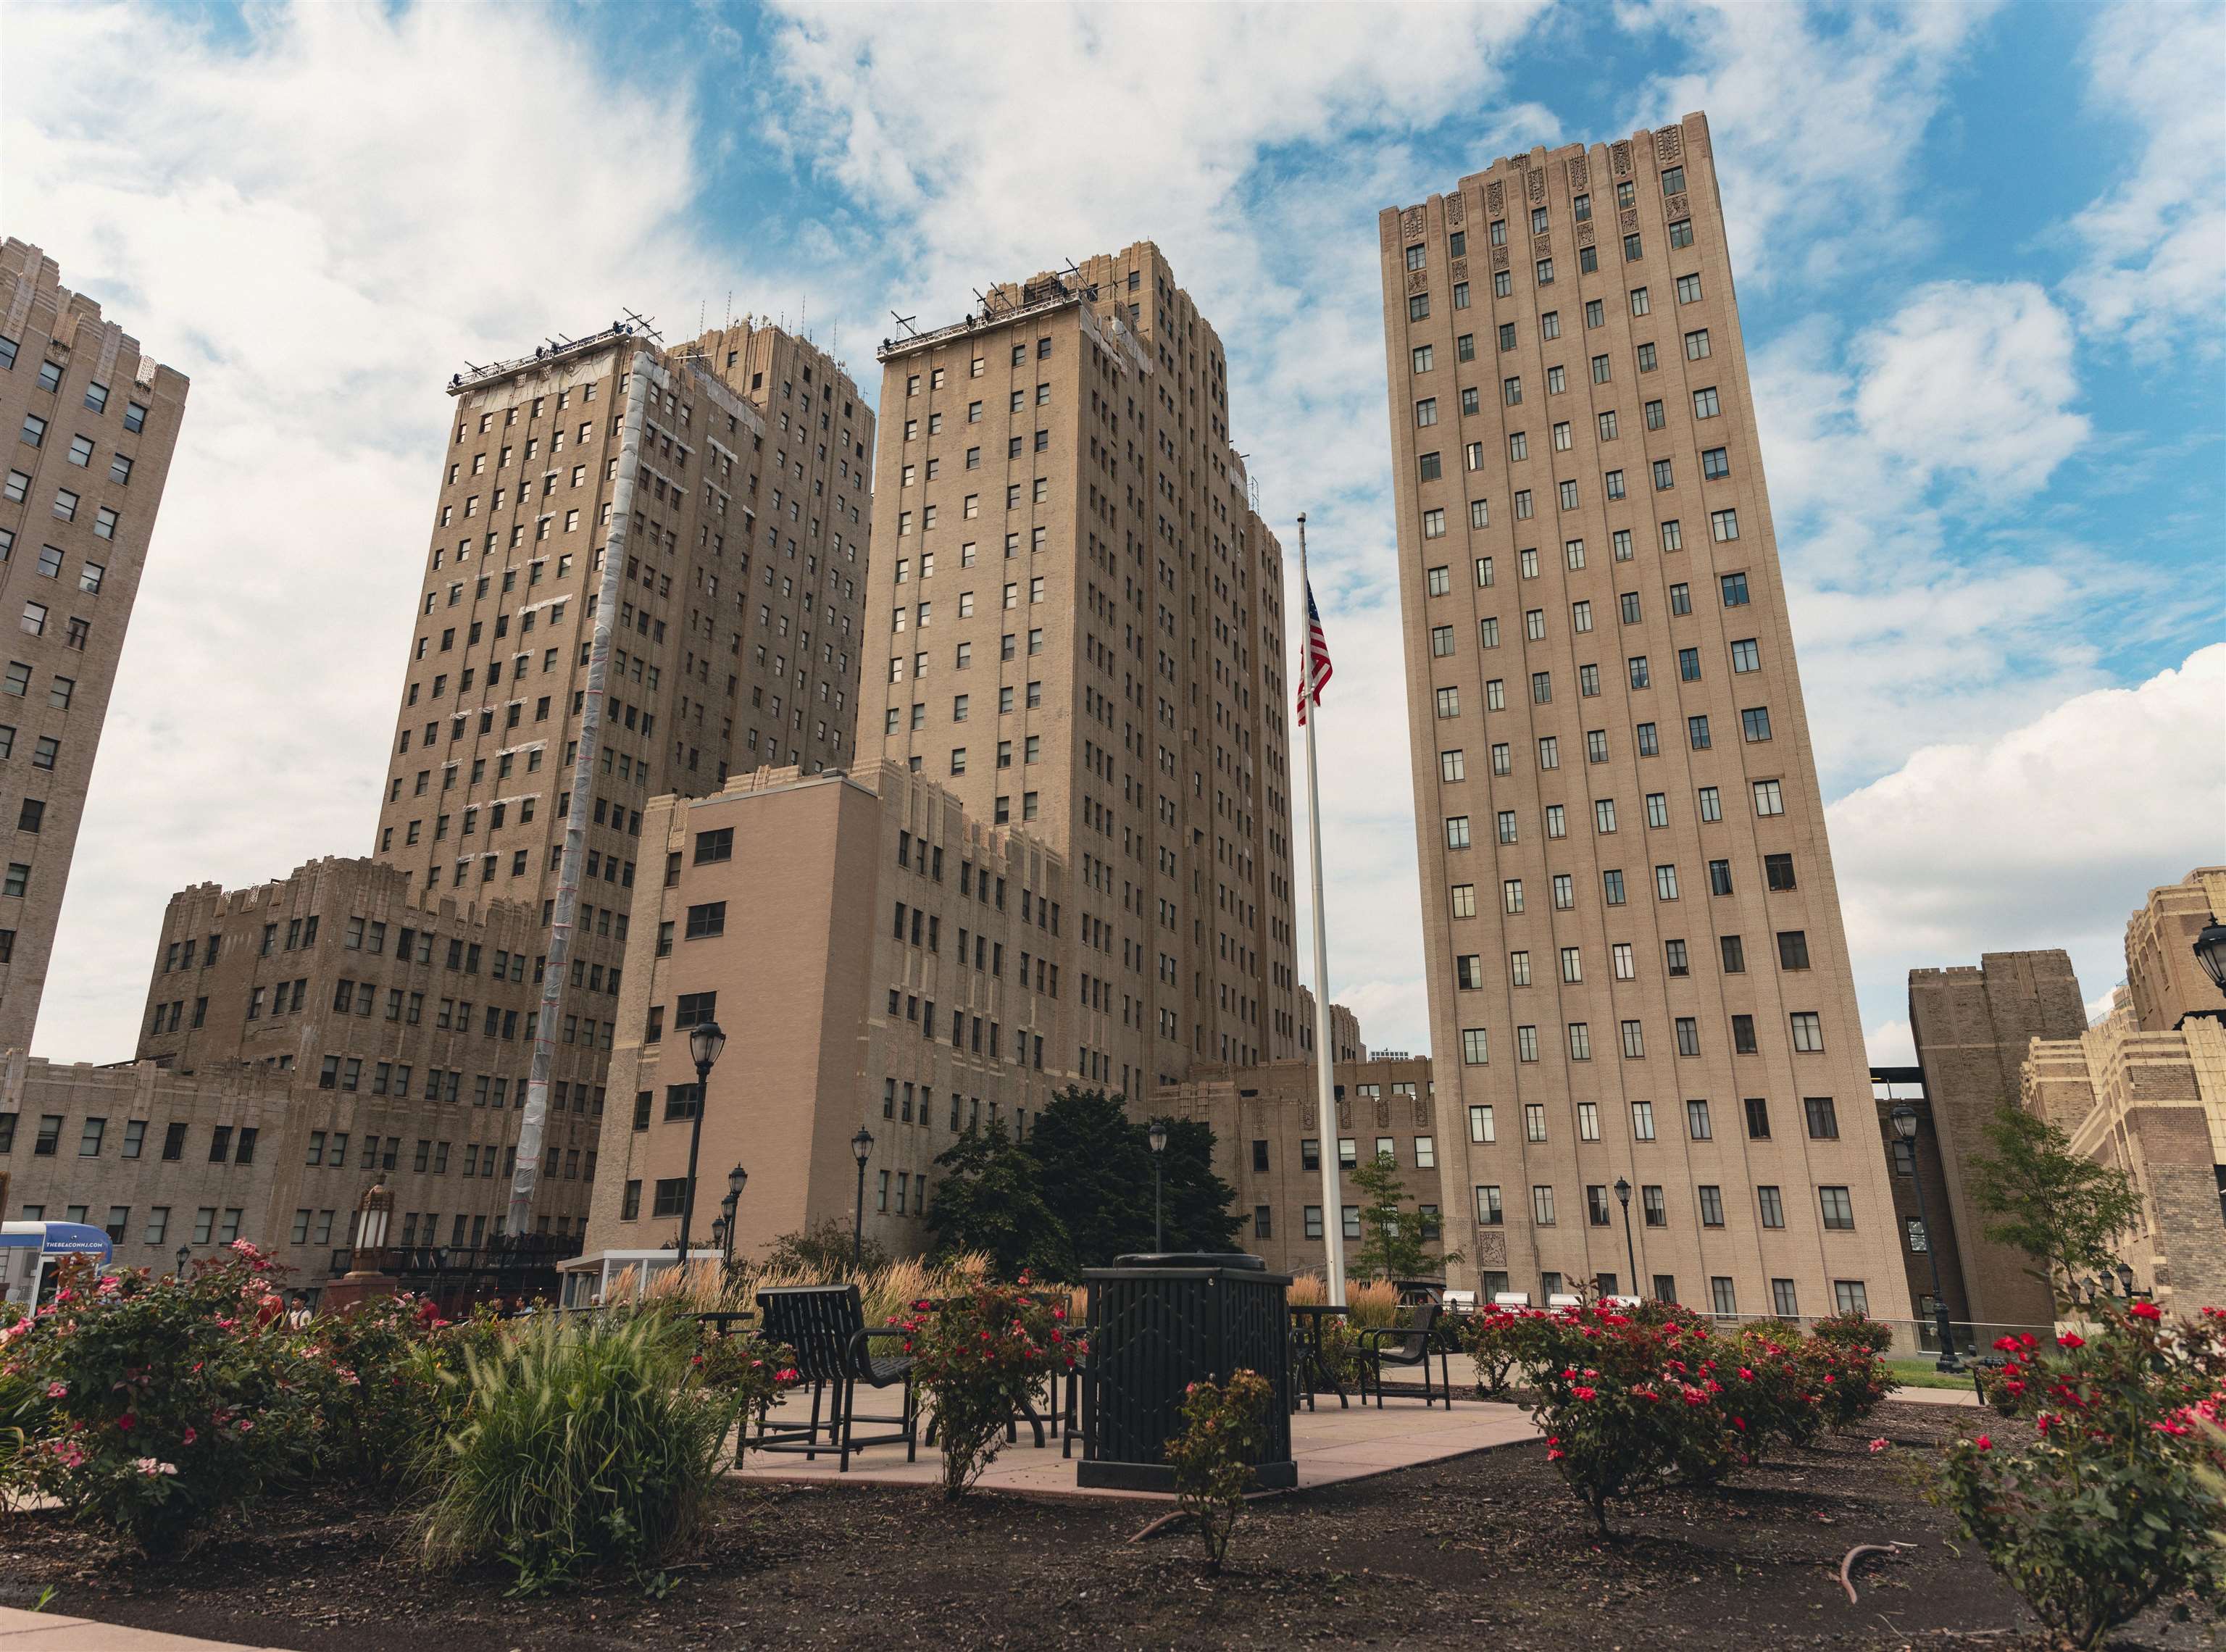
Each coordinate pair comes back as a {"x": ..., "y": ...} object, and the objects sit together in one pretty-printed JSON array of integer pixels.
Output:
[
  {"x": 148, "y": 1408},
  {"x": 373, "y": 1393},
  {"x": 1224, "y": 1434},
  {"x": 586, "y": 1445},
  {"x": 2111, "y": 1507},
  {"x": 977, "y": 1358}
]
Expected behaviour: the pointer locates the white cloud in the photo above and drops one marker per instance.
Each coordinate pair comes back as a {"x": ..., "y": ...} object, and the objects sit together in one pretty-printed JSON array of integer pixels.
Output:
[
  {"x": 2047, "y": 835},
  {"x": 1819, "y": 120},
  {"x": 315, "y": 222},
  {"x": 2154, "y": 274},
  {"x": 1972, "y": 379}
]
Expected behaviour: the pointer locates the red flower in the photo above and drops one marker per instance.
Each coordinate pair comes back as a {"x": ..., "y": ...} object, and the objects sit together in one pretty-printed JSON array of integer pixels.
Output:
[
  {"x": 124, "y": 1422},
  {"x": 1983, "y": 1443},
  {"x": 2071, "y": 1339},
  {"x": 2145, "y": 1311}
]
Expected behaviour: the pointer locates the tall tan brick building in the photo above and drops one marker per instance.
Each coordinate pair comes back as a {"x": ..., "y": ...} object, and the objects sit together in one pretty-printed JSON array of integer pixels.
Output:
[
  {"x": 1078, "y": 623},
  {"x": 645, "y": 572},
  {"x": 1636, "y": 965},
  {"x": 91, "y": 421}
]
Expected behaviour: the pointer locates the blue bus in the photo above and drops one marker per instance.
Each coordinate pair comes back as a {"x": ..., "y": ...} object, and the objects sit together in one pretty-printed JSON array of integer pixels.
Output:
[{"x": 30, "y": 1252}]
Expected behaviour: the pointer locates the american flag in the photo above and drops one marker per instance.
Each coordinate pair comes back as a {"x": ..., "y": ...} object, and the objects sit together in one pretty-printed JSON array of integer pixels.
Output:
[{"x": 1317, "y": 668}]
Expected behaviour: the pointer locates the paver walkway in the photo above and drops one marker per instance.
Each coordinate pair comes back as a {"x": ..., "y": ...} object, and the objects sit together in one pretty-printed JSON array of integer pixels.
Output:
[
  {"x": 1329, "y": 1445},
  {"x": 21, "y": 1631}
]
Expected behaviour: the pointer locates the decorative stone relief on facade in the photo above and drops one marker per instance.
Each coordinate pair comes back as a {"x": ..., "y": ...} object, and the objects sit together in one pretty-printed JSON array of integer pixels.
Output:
[
  {"x": 1538, "y": 182},
  {"x": 1676, "y": 206},
  {"x": 1460, "y": 269},
  {"x": 1417, "y": 280},
  {"x": 1628, "y": 218},
  {"x": 1669, "y": 144},
  {"x": 1619, "y": 158},
  {"x": 1540, "y": 246},
  {"x": 1457, "y": 208},
  {"x": 1490, "y": 1249},
  {"x": 1413, "y": 222},
  {"x": 1495, "y": 198},
  {"x": 1499, "y": 257},
  {"x": 1580, "y": 175}
]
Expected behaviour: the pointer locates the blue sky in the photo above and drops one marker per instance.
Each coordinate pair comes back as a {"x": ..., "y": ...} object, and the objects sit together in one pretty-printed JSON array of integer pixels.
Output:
[{"x": 1978, "y": 252}]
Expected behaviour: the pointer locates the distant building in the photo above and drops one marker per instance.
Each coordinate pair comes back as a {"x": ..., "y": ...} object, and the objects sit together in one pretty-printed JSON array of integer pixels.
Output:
[
  {"x": 1343, "y": 1030},
  {"x": 92, "y": 422},
  {"x": 2144, "y": 1089},
  {"x": 1267, "y": 1132}
]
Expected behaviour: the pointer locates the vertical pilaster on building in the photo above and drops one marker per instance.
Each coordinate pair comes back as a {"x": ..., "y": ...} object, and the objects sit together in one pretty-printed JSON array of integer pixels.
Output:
[
  {"x": 91, "y": 421},
  {"x": 1079, "y": 627},
  {"x": 1638, "y": 967}
]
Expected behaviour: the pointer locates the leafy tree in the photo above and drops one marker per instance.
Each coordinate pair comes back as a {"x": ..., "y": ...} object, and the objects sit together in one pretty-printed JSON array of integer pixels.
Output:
[
  {"x": 1393, "y": 1241},
  {"x": 2061, "y": 1210},
  {"x": 1200, "y": 1206},
  {"x": 824, "y": 1252},
  {"x": 1098, "y": 1167},
  {"x": 991, "y": 1199}
]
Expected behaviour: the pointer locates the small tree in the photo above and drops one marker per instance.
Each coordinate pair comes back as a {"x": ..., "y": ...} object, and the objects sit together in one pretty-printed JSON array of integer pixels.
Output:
[
  {"x": 825, "y": 1251},
  {"x": 1224, "y": 1434},
  {"x": 1394, "y": 1242},
  {"x": 1201, "y": 1212},
  {"x": 2061, "y": 1210},
  {"x": 991, "y": 1200}
]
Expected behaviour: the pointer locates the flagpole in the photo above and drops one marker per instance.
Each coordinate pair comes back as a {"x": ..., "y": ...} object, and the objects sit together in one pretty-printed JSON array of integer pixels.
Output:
[{"x": 1324, "y": 1056}]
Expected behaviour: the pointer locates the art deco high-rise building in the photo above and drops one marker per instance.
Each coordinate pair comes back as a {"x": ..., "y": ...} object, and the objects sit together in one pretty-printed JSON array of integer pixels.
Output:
[
  {"x": 90, "y": 423},
  {"x": 1077, "y": 622},
  {"x": 728, "y": 481},
  {"x": 1638, "y": 970}
]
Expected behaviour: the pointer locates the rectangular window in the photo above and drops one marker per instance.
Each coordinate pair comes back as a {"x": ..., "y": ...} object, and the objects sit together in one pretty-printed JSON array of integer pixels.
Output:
[
  {"x": 1838, "y": 1209},
  {"x": 1772, "y": 1207},
  {"x": 1808, "y": 1032},
  {"x": 1758, "y": 1118},
  {"x": 1823, "y": 1118},
  {"x": 1712, "y": 1207},
  {"x": 1641, "y": 1121},
  {"x": 1488, "y": 1212},
  {"x": 1542, "y": 1206}
]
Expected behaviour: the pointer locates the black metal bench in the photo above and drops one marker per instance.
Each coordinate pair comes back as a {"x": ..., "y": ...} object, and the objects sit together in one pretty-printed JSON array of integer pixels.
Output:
[
  {"x": 1408, "y": 1346},
  {"x": 824, "y": 1326}
]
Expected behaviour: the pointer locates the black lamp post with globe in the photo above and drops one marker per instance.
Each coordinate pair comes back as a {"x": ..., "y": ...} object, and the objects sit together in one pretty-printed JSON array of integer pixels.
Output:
[
  {"x": 1905, "y": 1126},
  {"x": 705, "y": 1041}
]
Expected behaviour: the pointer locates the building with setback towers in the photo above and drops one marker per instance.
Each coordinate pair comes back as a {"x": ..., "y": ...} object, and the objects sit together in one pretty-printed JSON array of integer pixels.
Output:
[
  {"x": 1637, "y": 966},
  {"x": 1077, "y": 622},
  {"x": 728, "y": 481}
]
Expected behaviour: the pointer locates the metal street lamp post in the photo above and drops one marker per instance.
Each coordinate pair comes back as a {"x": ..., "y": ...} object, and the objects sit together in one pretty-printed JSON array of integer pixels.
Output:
[
  {"x": 1905, "y": 1126},
  {"x": 1156, "y": 1134},
  {"x": 705, "y": 1041},
  {"x": 1623, "y": 1197},
  {"x": 185, "y": 1261},
  {"x": 861, "y": 1145},
  {"x": 727, "y": 1206},
  {"x": 2211, "y": 952}
]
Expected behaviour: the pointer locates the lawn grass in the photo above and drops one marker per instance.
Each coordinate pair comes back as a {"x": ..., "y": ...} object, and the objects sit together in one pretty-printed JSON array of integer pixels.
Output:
[{"x": 1923, "y": 1374}]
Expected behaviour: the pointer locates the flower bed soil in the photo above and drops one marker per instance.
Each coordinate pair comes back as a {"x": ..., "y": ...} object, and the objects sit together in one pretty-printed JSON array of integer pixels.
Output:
[{"x": 1488, "y": 1550}]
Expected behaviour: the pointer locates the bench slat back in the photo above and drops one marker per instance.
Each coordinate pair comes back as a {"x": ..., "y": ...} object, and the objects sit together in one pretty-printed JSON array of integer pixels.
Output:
[{"x": 818, "y": 1322}]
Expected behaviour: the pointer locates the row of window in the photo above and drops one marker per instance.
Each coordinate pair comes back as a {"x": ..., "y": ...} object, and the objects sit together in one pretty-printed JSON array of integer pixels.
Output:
[
  {"x": 50, "y": 381},
  {"x": 1835, "y": 1206},
  {"x": 1807, "y": 1028},
  {"x": 1792, "y": 952},
  {"x": 1503, "y": 281},
  {"x": 67, "y": 502},
  {"x": 1778, "y": 874},
  {"x": 1819, "y": 1112},
  {"x": 228, "y": 1144}
]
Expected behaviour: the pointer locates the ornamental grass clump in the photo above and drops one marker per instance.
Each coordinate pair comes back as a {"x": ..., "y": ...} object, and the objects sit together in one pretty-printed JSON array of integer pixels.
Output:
[
  {"x": 2113, "y": 1505},
  {"x": 150, "y": 1408},
  {"x": 977, "y": 1356},
  {"x": 1224, "y": 1434},
  {"x": 587, "y": 1446}
]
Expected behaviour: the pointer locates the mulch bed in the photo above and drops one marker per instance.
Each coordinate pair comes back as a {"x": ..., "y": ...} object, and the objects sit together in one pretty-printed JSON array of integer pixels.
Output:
[{"x": 1486, "y": 1550}]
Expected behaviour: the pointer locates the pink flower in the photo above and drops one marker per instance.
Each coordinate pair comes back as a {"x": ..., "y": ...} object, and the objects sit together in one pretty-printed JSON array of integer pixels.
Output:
[
  {"x": 190, "y": 1436},
  {"x": 1877, "y": 1445},
  {"x": 1584, "y": 1393},
  {"x": 58, "y": 1390},
  {"x": 150, "y": 1467}
]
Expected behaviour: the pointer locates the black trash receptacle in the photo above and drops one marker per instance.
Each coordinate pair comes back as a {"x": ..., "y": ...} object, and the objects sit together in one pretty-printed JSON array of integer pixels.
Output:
[{"x": 1160, "y": 1323}]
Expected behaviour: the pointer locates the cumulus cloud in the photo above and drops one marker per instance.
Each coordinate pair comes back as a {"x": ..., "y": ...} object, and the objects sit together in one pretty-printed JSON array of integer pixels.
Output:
[
  {"x": 2047, "y": 835},
  {"x": 2155, "y": 273},
  {"x": 1972, "y": 379},
  {"x": 317, "y": 222},
  {"x": 1819, "y": 118}
]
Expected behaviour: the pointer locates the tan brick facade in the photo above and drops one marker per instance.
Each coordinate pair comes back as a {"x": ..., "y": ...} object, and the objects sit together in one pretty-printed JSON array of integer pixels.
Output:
[
  {"x": 1973, "y": 1028},
  {"x": 876, "y": 958},
  {"x": 1343, "y": 1030},
  {"x": 90, "y": 423},
  {"x": 1629, "y": 914},
  {"x": 1267, "y": 1140},
  {"x": 1078, "y": 624}
]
